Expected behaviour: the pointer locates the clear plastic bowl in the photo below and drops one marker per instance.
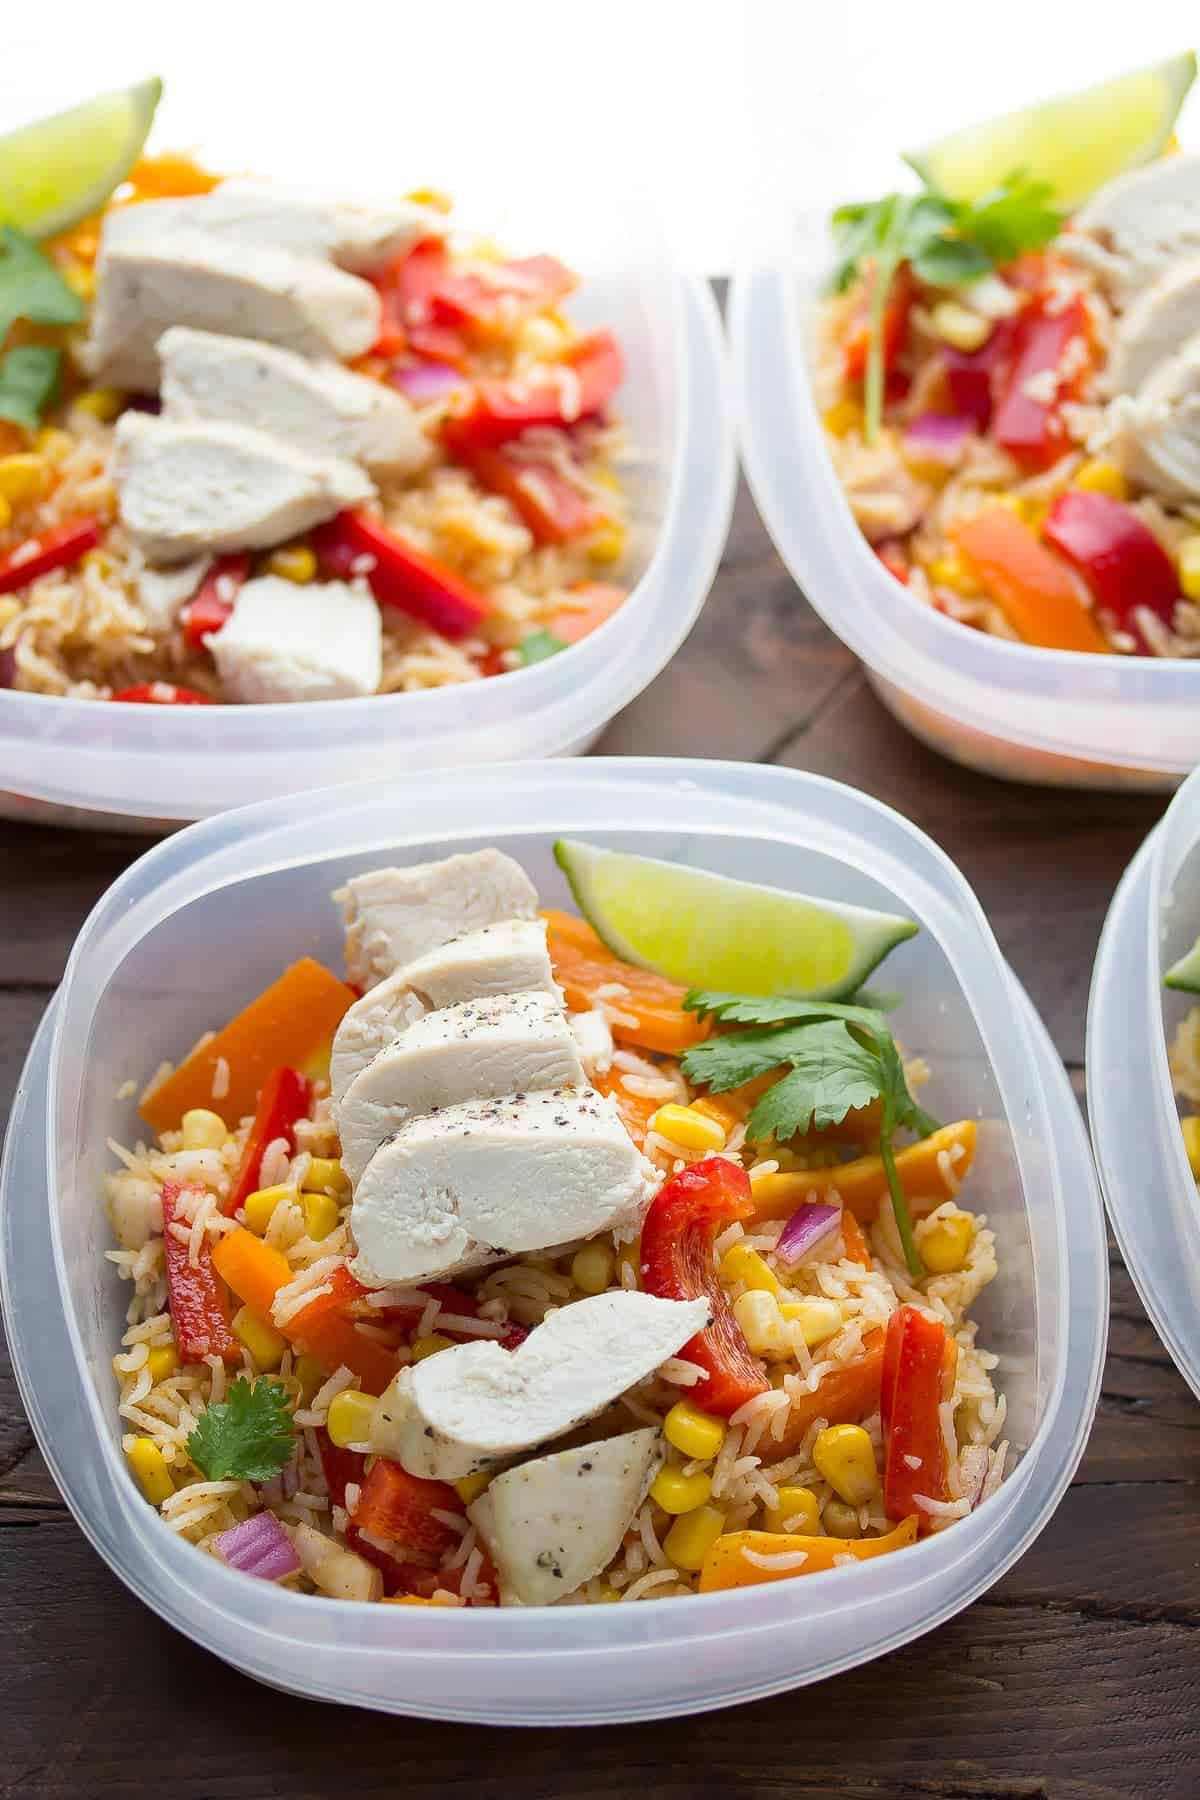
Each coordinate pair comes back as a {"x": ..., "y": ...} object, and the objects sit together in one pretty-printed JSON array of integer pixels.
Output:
[
  {"x": 1148, "y": 1187},
  {"x": 144, "y": 767},
  {"x": 201, "y": 922},
  {"x": 1043, "y": 716}
]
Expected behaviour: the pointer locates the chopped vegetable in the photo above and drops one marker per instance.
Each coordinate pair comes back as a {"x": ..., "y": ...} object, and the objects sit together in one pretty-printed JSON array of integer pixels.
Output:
[
  {"x": 258, "y": 1546},
  {"x": 854, "y": 1241},
  {"x": 1118, "y": 556},
  {"x": 284, "y": 1099},
  {"x": 863, "y": 1183},
  {"x": 650, "y": 1010},
  {"x": 848, "y": 1394},
  {"x": 406, "y": 291},
  {"x": 1028, "y": 426},
  {"x": 1038, "y": 595},
  {"x": 579, "y": 387},
  {"x": 600, "y": 600},
  {"x": 398, "y": 575},
  {"x": 937, "y": 440},
  {"x": 808, "y": 1226},
  {"x": 212, "y": 604},
  {"x": 783, "y": 1554},
  {"x": 288, "y": 1022},
  {"x": 199, "y": 1313},
  {"x": 342, "y": 1574},
  {"x": 425, "y": 381},
  {"x": 972, "y": 375},
  {"x": 919, "y": 1366},
  {"x": 536, "y": 646},
  {"x": 554, "y": 507},
  {"x": 492, "y": 304},
  {"x": 162, "y": 693},
  {"x": 677, "y": 1264},
  {"x": 394, "y": 1504},
  {"x": 248, "y": 1436},
  {"x": 56, "y": 548},
  {"x": 28, "y": 381},
  {"x": 31, "y": 287},
  {"x": 339, "y": 1466}
]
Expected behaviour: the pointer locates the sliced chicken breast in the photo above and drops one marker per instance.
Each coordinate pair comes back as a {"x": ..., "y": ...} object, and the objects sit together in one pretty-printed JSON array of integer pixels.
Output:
[
  {"x": 1164, "y": 317},
  {"x": 508, "y": 958},
  {"x": 478, "y": 1406},
  {"x": 553, "y": 1523},
  {"x": 478, "y": 1050},
  {"x": 393, "y": 916},
  {"x": 482, "y": 1181},
  {"x": 318, "y": 407},
  {"x": 1137, "y": 227},
  {"x": 145, "y": 284},
  {"x": 284, "y": 642},
  {"x": 1154, "y": 435},
  {"x": 187, "y": 490}
]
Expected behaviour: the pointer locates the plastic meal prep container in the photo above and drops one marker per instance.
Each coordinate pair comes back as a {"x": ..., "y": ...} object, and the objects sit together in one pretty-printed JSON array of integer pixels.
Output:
[
  {"x": 204, "y": 920},
  {"x": 146, "y": 766},
  {"x": 1148, "y": 1186},
  {"x": 1044, "y": 716}
]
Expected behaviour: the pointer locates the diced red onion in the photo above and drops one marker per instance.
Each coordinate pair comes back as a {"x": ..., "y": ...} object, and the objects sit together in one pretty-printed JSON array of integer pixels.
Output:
[
  {"x": 805, "y": 1229},
  {"x": 424, "y": 381},
  {"x": 938, "y": 437},
  {"x": 260, "y": 1546},
  {"x": 8, "y": 667}
]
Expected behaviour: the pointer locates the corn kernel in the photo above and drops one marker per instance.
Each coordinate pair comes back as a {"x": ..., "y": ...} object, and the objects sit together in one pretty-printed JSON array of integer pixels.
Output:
[
  {"x": 1191, "y": 1142},
  {"x": 163, "y": 1362},
  {"x": 432, "y": 197},
  {"x": 471, "y": 1486},
  {"x": 311, "y": 1375},
  {"x": 840, "y": 1520},
  {"x": 845, "y": 1456},
  {"x": 54, "y": 443},
  {"x": 203, "y": 1130},
  {"x": 5, "y": 513},
  {"x": 1100, "y": 477},
  {"x": 152, "y": 1473},
  {"x": 259, "y": 1206},
  {"x": 843, "y": 417},
  {"x": 607, "y": 543},
  {"x": 327, "y": 1176},
  {"x": 23, "y": 477},
  {"x": 81, "y": 279},
  {"x": 629, "y": 1264},
  {"x": 691, "y": 1536},
  {"x": 684, "y": 1125},
  {"x": 676, "y": 1492},
  {"x": 296, "y": 562},
  {"x": 817, "y": 1318},
  {"x": 350, "y": 1418},
  {"x": 260, "y": 1337},
  {"x": 797, "y": 1511},
  {"x": 949, "y": 571},
  {"x": 101, "y": 403},
  {"x": 1189, "y": 567},
  {"x": 320, "y": 1214},
  {"x": 763, "y": 1325},
  {"x": 592, "y": 1268},
  {"x": 429, "y": 1346},
  {"x": 958, "y": 326},
  {"x": 741, "y": 1263},
  {"x": 946, "y": 1244},
  {"x": 692, "y": 1432},
  {"x": 606, "y": 1593}
]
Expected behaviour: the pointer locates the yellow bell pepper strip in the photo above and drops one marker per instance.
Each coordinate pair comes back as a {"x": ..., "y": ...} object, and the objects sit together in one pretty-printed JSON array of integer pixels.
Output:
[
  {"x": 290, "y": 1021},
  {"x": 862, "y": 1183},
  {"x": 199, "y": 1313},
  {"x": 846, "y": 1396},
  {"x": 919, "y": 1365},
  {"x": 1038, "y": 594},
  {"x": 582, "y": 965},
  {"x": 727, "y": 1566},
  {"x": 323, "y": 1328}
]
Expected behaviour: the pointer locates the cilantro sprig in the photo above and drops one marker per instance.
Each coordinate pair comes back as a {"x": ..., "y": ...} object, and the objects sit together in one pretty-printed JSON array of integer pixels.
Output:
[
  {"x": 248, "y": 1436},
  {"x": 946, "y": 243},
  {"x": 31, "y": 288},
  {"x": 839, "y": 1056},
  {"x": 28, "y": 380}
]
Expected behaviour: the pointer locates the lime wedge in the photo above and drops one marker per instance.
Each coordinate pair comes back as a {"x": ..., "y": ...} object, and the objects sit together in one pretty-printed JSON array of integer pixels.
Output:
[
  {"x": 708, "y": 931},
  {"x": 1076, "y": 141},
  {"x": 1185, "y": 973},
  {"x": 58, "y": 170}
]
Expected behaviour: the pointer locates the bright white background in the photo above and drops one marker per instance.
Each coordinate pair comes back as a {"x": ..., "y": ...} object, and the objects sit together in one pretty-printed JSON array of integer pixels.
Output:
[{"x": 504, "y": 102}]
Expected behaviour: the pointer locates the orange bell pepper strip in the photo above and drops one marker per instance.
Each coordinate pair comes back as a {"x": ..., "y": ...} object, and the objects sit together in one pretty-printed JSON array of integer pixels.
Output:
[
  {"x": 849, "y": 1394},
  {"x": 170, "y": 177},
  {"x": 726, "y": 1565},
  {"x": 862, "y": 1183},
  {"x": 1039, "y": 596},
  {"x": 256, "y": 1272},
  {"x": 854, "y": 1240},
  {"x": 289, "y": 1023},
  {"x": 394, "y": 1504},
  {"x": 592, "y": 602},
  {"x": 636, "y": 1110},
  {"x": 582, "y": 965}
]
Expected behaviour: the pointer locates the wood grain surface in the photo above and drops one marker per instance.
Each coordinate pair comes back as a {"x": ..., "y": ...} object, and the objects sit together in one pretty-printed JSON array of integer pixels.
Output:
[{"x": 1076, "y": 1678}]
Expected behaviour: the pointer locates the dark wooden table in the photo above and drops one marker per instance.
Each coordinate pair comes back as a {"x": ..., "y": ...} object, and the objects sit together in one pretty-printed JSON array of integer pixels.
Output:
[{"x": 1077, "y": 1676}]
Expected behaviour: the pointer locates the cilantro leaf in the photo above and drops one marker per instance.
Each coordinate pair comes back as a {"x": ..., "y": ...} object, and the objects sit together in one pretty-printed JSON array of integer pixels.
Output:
[
  {"x": 949, "y": 261},
  {"x": 1015, "y": 216},
  {"x": 747, "y": 1009},
  {"x": 31, "y": 287},
  {"x": 832, "y": 1073},
  {"x": 28, "y": 378},
  {"x": 248, "y": 1436}
]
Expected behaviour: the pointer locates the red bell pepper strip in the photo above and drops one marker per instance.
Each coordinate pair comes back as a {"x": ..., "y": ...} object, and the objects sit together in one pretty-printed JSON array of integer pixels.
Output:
[
  {"x": 972, "y": 376},
  {"x": 677, "y": 1264},
  {"x": 588, "y": 376},
  {"x": 893, "y": 559},
  {"x": 485, "y": 305},
  {"x": 212, "y": 603},
  {"x": 284, "y": 1099},
  {"x": 919, "y": 1364},
  {"x": 199, "y": 1310},
  {"x": 406, "y": 290},
  {"x": 1118, "y": 556},
  {"x": 56, "y": 548},
  {"x": 1028, "y": 427},
  {"x": 340, "y": 1467},
  {"x": 399, "y": 576},
  {"x": 857, "y": 340},
  {"x": 554, "y": 509},
  {"x": 396, "y": 1505},
  {"x": 163, "y": 693}
]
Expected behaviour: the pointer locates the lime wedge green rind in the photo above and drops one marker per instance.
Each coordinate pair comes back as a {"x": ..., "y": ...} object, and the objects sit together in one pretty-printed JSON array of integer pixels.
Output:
[
  {"x": 710, "y": 931},
  {"x": 1185, "y": 974},
  {"x": 1076, "y": 142},
  {"x": 59, "y": 170}
]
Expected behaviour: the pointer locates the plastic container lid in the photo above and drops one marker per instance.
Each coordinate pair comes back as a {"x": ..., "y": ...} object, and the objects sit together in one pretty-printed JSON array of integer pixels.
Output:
[
  {"x": 1029, "y": 714},
  {"x": 1148, "y": 1186},
  {"x": 237, "y": 893}
]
